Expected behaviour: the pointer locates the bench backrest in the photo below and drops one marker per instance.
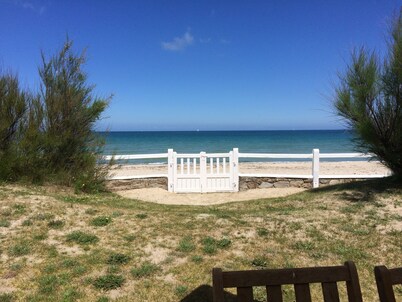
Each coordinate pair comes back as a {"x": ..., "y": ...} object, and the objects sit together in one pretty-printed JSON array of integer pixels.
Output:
[
  {"x": 386, "y": 278},
  {"x": 272, "y": 279}
]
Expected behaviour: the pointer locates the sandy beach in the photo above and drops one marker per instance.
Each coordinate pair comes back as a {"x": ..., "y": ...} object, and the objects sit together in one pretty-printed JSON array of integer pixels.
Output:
[
  {"x": 297, "y": 168},
  {"x": 162, "y": 196}
]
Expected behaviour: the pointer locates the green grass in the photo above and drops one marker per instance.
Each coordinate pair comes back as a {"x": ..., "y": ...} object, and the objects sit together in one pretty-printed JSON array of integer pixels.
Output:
[
  {"x": 4, "y": 223},
  {"x": 6, "y": 297},
  {"x": 101, "y": 221},
  {"x": 19, "y": 249},
  {"x": 48, "y": 284},
  {"x": 144, "y": 270},
  {"x": 82, "y": 237},
  {"x": 108, "y": 282},
  {"x": 186, "y": 245},
  {"x": 153, "y": 252},
  {"x": 55, "y": 224},
  {"x": 117, "y": 258}
]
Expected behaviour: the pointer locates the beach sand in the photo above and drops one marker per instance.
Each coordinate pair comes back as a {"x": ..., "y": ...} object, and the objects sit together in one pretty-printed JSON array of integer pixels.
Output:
[
  {"x": 162, "y": 196},
  {"x": 298, "y": 168}
]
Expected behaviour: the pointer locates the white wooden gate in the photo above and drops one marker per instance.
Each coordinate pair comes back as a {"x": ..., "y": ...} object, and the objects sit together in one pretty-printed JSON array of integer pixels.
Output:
[{"x": 203, "y": 172}]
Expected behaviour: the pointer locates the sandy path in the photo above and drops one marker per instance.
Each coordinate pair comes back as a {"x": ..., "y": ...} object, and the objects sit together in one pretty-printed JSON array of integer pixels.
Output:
[{"x": 162, "y": 196}]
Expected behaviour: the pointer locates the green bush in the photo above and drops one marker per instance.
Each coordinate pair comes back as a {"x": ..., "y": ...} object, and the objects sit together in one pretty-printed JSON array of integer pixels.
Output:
[
  {"x": 49, "y": 136},
  {"x": 13, "y": 108},
  {"x": 369, "y": 98},
  {"x": 71, "y": 110}
]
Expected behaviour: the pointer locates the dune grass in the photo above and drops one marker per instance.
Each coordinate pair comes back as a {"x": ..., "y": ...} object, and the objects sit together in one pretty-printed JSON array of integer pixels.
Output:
[{"x": 58, "y": 246}]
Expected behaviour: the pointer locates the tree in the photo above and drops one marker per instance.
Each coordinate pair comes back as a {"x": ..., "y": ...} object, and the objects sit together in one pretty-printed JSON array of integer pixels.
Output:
[
  {"x": 369, "y": 98},
  {"x": 70, "y": 111},
  {"x": 13, "y": 107}
]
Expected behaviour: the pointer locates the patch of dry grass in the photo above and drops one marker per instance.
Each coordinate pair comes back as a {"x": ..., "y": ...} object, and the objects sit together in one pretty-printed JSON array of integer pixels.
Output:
[{"x": 164, "y": 253}]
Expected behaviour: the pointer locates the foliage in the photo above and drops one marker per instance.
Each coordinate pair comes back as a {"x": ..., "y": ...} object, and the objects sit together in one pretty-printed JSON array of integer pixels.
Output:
[
  {"x": 50, "y": 136},
  {"x": 13, "y": 106},
  {"x": 369, "y": 98},
  {"x": 71, "y": 111}
]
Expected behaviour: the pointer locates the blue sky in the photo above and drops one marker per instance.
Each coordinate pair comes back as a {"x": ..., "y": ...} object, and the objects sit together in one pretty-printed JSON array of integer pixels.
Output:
[{"x": 208, "y": 65}]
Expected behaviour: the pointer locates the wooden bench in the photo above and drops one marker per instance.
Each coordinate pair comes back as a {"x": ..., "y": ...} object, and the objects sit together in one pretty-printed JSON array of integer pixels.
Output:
[
  {"x": 272, "y": 279},
  {"x": 385, "y": 279}
]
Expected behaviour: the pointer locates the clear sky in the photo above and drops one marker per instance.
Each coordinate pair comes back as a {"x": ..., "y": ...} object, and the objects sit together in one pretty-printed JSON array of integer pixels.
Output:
[{"x": 208, "y": 65}]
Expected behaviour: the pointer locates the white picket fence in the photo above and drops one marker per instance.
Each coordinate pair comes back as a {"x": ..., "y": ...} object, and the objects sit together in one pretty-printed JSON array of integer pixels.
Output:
[{"x": 219, "y": 172}]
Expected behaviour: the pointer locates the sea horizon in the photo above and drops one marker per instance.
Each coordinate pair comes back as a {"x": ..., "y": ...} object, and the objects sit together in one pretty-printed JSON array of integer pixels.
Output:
[{"x": 251, "y": 141}]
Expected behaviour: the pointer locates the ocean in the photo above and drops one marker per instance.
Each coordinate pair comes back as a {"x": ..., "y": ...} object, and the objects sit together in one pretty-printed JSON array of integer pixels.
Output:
[{"x": 283, "y": 141}]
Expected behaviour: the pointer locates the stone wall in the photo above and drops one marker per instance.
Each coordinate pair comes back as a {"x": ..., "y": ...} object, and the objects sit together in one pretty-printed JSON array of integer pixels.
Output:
[{"x": 246, "y": 183}]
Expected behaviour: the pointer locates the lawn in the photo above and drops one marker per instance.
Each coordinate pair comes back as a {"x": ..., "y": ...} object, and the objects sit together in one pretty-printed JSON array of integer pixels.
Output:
[{"x": 59, "y": 246}]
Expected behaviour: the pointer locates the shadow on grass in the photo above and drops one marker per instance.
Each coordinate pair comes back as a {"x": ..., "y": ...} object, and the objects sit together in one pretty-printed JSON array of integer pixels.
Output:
[
  {"x": 203, "y": 293},
  {"x": 365, "y": 190}
]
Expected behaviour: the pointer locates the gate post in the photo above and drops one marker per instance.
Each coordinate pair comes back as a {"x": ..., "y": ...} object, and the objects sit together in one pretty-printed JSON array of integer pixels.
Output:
[
  {"x": 316, "y": 168},
  {"x": 171, "y": 172},
  {"x": 203, "y": 171},
  {"x": 235, "y": 165}
]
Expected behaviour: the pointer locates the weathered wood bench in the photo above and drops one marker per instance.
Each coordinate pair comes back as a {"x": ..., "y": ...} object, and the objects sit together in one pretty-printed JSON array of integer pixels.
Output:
[
  {"x": 385, "y": 279},
  {"x": 301, "y": 278}
]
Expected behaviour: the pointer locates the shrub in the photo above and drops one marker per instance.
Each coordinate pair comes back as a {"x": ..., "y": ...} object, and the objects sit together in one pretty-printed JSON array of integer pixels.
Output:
[
  {"x": 369, "y": 98},
  {"x": 71, "y": 110},
  {"x": 13, "y": 106},
  {"x": 82, "y": 238},
  {"x": 50, "y": 136},
  {"x": 109, "y": 282}
]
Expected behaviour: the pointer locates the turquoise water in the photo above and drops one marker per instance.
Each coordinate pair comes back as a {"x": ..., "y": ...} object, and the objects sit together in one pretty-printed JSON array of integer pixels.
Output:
[{"x": 302, "y": 141}]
